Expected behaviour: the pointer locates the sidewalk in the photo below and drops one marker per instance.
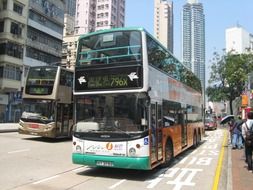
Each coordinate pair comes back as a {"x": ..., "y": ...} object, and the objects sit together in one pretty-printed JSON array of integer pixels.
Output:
[
  {"x": 8, "y": 127},
  {"x": 242, "y": 179}
]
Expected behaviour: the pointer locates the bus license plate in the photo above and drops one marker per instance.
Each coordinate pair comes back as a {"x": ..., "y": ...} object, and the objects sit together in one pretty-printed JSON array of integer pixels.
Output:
[{"x": 104, "y": 163}]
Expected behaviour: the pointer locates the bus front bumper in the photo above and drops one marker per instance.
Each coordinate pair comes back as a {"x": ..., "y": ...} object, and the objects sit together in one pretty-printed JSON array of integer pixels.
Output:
[{"x": 140, "y": 163}]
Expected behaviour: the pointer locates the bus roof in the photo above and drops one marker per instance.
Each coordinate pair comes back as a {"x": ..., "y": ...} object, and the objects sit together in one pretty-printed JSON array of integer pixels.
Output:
[
  {"x": 112, "y": 30},
  {"x": 127, "y": 29}
]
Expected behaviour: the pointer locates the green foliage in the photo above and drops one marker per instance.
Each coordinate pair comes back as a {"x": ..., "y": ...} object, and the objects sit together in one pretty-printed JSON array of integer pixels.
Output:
[
  {"x": 216, "y": 94},
  {"x": 228, "y": 76}
]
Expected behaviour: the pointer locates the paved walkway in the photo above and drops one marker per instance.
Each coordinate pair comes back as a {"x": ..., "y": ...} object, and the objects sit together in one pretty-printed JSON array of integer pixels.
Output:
[{"x": 241, "y": 177}]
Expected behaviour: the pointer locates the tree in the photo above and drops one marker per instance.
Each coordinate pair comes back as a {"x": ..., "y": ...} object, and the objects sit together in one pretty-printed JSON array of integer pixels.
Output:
[{"x": 228, "y": 76}]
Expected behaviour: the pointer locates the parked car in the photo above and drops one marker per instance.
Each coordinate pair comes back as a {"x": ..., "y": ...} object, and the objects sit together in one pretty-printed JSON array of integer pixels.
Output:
[{"x": 210, "y": 123}]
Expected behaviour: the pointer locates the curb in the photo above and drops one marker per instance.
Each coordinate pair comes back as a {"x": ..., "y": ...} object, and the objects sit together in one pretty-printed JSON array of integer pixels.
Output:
[
  {"x": 229, "y": 173},
  {"x": 8, "y": 127},
  {"x": 8, "y": 130}
]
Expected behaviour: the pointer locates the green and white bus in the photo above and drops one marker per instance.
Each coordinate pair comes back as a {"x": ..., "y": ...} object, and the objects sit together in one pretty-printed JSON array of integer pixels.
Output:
[
  {"x": 48, "y": 102},
  {"x": 136, "y": 106}
]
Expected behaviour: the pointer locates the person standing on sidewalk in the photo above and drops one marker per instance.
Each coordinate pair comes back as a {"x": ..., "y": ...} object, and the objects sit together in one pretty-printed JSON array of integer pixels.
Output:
[
  {"x": 230, "y": 127},
  {"x": 248, "y": 149},
  {"x": 237, "y": 134}
]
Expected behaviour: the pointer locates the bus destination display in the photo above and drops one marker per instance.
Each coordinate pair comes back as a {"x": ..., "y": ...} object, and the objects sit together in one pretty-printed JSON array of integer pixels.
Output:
[
  {"x": 108, "y": 79},
  {"x": 38, "y": 90}
]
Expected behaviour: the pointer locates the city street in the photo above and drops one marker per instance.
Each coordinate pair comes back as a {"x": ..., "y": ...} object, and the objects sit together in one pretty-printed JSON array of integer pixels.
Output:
[
  {"x": 38, "y": 163},
  {"x": 135, "y": 83}
]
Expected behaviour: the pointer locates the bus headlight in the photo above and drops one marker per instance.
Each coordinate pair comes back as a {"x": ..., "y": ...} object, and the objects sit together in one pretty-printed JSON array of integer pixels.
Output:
[
  {"x": 132, "y": 152},
  {"x": 78, "y": 148}
]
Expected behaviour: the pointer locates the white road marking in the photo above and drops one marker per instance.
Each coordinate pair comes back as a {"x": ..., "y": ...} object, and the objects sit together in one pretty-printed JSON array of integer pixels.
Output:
[
  {"x": 181, "y": 180},
  {"x": 79, "y": 169},
  {"x": 17, "y": 151},
  {"x": 154, "y": 182},
  {"x": 117, "y": 184},
  {"x": 46, "y": 179}
]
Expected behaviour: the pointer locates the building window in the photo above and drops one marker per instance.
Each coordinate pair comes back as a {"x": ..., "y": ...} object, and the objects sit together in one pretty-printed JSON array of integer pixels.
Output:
[
  {"x": 1, "y": 26},
  {"x": 41, "y": 56},
  {"x": 2, "y": 48},
  {"x": 46, "y": 22},
  {"x": 4, "y": 4},
  {"x": 18, "y": 8},
  {"x": 15, "y": 50},
  {"x": 11, "y": 49},
  {"x": 15, "y": 29},
  {"x": 1, "y": 71},
  {"x": 10, "y": 72}
]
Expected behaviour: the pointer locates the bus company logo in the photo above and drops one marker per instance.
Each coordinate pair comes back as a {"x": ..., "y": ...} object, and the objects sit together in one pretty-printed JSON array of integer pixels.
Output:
[
  {"x": 82, "y": 79},
  {"x": 109, "y": 146},
  {"x": 133, "y": 76}
]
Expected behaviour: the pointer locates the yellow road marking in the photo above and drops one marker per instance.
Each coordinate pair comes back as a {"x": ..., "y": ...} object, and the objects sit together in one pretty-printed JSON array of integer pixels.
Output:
[{"x": 219, "y": 166}]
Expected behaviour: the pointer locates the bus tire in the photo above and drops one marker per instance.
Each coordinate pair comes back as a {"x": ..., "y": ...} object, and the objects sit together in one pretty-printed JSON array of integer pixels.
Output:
[
  {"x": 195, "y": 140},
  {"x": 70, "y": 135},
  {"x": 199, "y": 137},
  {"x": 169, "y": 155}
]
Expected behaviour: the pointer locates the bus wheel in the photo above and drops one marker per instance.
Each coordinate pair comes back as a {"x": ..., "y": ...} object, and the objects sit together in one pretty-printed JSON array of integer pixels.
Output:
[
  {"x": 199, "y": 138},
  {"x": 168, "y": 154},
  {"x": 195, "y": 140},
  {"x": 71, "y": 132}
]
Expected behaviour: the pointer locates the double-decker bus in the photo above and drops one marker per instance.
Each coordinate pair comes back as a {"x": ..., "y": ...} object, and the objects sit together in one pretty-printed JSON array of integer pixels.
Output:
[
  {"x": 47, "y": 102},
  {"x": 136, "y": 106}
]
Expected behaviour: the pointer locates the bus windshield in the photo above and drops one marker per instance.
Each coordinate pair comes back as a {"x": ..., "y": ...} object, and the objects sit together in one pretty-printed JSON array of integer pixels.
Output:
[
  {"x": 111, "y": 47},
  {"x": 34, "y": 110},
  {"x": 41, "y": 75},
  {"x": 119, "y": 113}
]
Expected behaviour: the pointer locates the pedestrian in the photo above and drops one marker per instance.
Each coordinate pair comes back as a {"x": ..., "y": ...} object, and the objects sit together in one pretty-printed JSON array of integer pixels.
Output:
[
  {"x": 236, "y": 131},
  {"x": 248, "y": 148},
  {"x": 230, "y": 126}
]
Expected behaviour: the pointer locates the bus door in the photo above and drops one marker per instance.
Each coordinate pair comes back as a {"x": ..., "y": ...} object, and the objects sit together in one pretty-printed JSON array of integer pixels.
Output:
[
  {"x": 156, "y": 132},
  {"x": 183, "y": 123},
  {"x": 63, "y": 119}
]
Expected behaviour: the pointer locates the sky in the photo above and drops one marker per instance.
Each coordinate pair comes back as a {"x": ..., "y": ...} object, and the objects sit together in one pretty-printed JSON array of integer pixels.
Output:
[{"x": 219, "y": 15}]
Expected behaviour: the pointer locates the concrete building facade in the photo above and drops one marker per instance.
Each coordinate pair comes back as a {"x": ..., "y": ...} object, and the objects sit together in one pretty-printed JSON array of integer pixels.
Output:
[
  {"x": 93, "y": 15},
  {"x": 69, "y": 17},
  {"x": 163, "y": 23},
  {"x": 69, "y": 49},
  {"x": 238, "y": 40}
]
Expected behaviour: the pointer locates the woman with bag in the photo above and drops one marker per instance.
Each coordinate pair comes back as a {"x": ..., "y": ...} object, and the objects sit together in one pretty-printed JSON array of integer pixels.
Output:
[{"x": 246, "y": 127}]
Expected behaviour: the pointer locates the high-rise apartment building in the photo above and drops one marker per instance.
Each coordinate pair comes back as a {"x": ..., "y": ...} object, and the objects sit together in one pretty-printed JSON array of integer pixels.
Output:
[
  {"x": 93, "y": 15},
  {"x": 70, "y": 7},
  {"x": 13, "y": 21},
  {"x": 69, "y": 49},
  {"x": 69, "y": 17},
  {"x": 193, "y": 38},
  {"x": 238, "y": 40},
  {"x": 163, "y": 23},
  {"x": 44, "y": 32},
  {"x": 69, "y": 45},
  {"x": 31, "y": 33}
]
